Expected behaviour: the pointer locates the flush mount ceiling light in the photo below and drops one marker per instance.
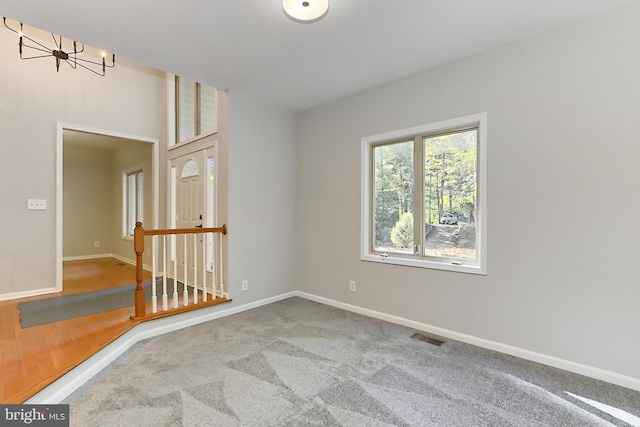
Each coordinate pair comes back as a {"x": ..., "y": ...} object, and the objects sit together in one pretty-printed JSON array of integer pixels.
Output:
[
  {"x": 305, "y": 11},
  {"x": 31, "y": 49}
]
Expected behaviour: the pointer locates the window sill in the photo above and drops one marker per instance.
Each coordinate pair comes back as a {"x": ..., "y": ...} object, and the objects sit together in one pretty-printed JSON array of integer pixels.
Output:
[
  {"x": 127, "y": 238},
  {"x": 421, "y": 263}
]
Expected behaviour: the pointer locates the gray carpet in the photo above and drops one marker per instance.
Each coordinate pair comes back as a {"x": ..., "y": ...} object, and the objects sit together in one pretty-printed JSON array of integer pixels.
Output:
[
  {"x": 300, "y": 363},
  {"x": 53, "y": 309}
]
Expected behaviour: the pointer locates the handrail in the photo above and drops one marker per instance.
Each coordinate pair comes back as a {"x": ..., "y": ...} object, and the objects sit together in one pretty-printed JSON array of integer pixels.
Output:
[
  {"x": 138, "y": 243},
  {"x": 198, "y": 230}
]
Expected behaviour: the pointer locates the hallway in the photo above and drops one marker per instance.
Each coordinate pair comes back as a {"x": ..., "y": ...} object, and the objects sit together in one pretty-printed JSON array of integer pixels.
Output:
[{"x": 33, "y": 358}]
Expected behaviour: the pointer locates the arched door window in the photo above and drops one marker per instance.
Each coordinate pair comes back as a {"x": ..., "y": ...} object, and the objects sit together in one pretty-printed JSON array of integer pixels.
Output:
[{"x": 190, "y": 169}]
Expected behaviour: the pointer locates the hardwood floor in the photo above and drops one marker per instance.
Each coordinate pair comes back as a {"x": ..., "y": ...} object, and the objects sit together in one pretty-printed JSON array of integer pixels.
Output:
[{"x": 33, "y": 358}]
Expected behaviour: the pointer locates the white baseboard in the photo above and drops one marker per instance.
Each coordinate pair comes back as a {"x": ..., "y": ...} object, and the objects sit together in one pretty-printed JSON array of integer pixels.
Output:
[
  {"x": 59, "y": 390},
  {"x": 118, "y": 257},
  {"x": 45, "y": 291},
  {"x": 25, "y": 294},
  {"x": 578, "y": 368},
  {"x": 69, "y": 383},
  {"x": 86, "y": 257},
  {"x": 131, "y": 262}
]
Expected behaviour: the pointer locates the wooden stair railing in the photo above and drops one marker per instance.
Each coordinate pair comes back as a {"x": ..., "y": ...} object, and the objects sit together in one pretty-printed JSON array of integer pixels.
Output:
[{"x": 218, "y": 295}]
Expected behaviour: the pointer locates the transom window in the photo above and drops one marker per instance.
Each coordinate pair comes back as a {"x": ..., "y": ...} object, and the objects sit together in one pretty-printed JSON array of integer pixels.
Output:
[
  {"x": 195, "y": 109},
  {"x": 424, "y": 196}
]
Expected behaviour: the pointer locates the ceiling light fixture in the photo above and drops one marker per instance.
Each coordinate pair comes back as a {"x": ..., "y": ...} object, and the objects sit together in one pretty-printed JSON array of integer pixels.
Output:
[
  {"x": 305, "y": 11},
  {"x": 27, "y": 44}
]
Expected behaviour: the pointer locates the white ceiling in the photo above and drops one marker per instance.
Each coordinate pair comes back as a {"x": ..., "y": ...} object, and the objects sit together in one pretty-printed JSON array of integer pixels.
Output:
[{"x": 250, "y": 44}]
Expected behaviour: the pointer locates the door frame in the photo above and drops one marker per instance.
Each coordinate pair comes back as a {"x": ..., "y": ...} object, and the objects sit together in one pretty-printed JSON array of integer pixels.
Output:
[
  {"x": 61, "y": 127},
  {"x": 208, "y": 148}
]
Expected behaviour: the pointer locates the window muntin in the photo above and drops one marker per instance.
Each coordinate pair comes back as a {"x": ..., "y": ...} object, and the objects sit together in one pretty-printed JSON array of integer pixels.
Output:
[
  {"x": 447, "y": 213},
  {"x": 195, "y": 108},
  {"x": 133, "y": 200}
]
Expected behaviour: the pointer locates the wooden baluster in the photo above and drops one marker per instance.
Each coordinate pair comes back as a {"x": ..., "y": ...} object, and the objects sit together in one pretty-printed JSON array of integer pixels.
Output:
[
  {"x": 165, "y": 305},
  {"x": 138, "y": 245},
  {"x": 224, "y": 228},
  {"x": 154, "y": 296}
]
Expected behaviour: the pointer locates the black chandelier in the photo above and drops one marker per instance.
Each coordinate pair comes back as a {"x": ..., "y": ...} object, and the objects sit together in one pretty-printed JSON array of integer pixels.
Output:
[{"x": 29, "y": 49}]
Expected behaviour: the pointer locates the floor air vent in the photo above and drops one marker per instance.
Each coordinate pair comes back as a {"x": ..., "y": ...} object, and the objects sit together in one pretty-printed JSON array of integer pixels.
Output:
[{"x": 432, "y": 341}]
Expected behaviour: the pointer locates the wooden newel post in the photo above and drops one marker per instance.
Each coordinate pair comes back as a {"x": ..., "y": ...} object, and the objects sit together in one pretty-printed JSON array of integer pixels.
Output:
[{"x": 138, "y": 245}]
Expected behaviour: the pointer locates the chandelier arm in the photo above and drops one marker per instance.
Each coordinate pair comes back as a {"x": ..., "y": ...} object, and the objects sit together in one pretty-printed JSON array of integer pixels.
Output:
[
  {"x": 88, "y": 69},
  {"x": 56, "y": 41},
  {"x": 36, "y": 57},
  {"x": 98, "y": 63},
  {"x": 36, "y": 48},
  {"x": 71, "y": 64},
  {"x": 47, "y": 49},
  {"x": 4, "y": 19}
]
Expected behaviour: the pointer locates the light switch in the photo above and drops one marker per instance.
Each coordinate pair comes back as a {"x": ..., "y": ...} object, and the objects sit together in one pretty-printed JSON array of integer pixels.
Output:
[{"x": 37, "y": 204}]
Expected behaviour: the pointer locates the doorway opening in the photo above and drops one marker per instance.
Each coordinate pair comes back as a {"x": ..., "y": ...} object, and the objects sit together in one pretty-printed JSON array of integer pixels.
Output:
[{"x": 93, "y": 193}]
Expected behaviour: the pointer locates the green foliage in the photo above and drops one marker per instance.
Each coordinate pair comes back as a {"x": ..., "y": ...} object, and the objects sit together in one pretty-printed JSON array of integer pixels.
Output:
[
  {"x": 450, "y": 176},
  {"x": 393, "y": 187},
  {"x": 402, "y": 232},
  {"x": 449, "y": 185}
]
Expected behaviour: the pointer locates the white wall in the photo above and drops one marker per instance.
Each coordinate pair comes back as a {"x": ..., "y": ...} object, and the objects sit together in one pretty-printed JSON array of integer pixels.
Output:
[
  {"x": 130, "y": 99},
  {"x": 262, "y": 176},
  {"x": 563, "y": 113}
]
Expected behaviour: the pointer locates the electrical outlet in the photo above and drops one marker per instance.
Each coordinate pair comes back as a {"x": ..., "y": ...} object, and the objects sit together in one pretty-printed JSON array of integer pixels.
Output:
[
  {"x": 352, "y": 285},
  {"x": 245, "y": 285},
  {"x": 96, "y": 244}
]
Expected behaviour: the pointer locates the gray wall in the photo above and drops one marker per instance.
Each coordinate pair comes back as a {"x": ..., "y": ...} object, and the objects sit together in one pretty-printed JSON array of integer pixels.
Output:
[
  {"x": 262, "y": 174},
  {"x": 563, "y": 151},
  {"x": 131, "y": 99},
  {"x": 92, "y": 204},
  {"x": 87, "y": 200}
]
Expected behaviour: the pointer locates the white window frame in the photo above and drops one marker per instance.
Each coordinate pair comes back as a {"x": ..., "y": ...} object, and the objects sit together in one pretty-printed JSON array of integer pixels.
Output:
[
  {"x": 125, "y": 199},
  {"x": 172, "y": 113},
  {"x": 367, "y": 254}
]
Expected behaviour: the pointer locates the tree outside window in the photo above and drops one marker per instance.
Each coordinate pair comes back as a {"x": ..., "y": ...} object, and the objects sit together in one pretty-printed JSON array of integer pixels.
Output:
[{"x": 424, "y": 195}]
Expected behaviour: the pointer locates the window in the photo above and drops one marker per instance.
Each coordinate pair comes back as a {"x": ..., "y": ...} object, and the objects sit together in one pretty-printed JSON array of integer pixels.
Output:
[
  {"x": 133, "y": 200},
  {"x": 424, "y": 196},
  {"x": 190, "y": 169},
  {"x": 195, "y": 109}
]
